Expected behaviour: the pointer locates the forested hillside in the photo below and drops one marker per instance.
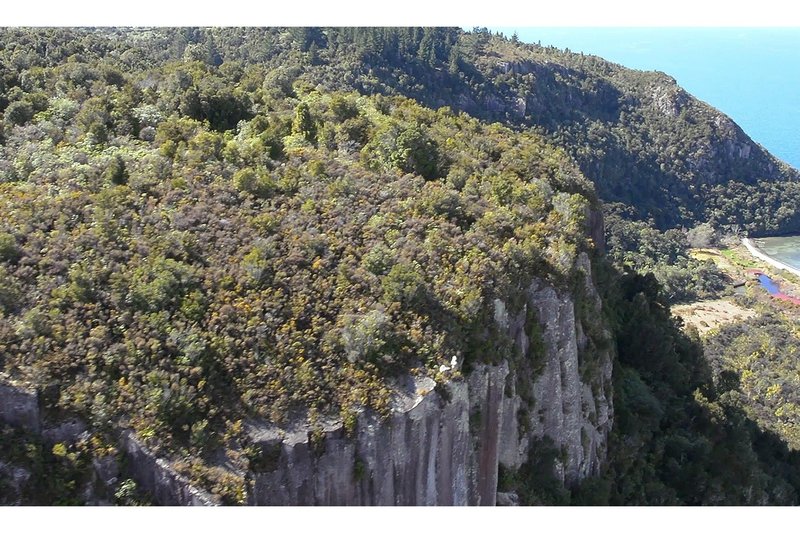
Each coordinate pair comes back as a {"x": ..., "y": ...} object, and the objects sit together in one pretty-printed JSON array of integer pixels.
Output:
[
  {"x": 642, "y": 139},
  {"x": 201, "y": 226}
]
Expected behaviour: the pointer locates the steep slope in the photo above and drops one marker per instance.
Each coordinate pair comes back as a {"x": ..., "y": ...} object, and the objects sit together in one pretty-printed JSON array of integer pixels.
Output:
[
  {"x": 239, "y": 259},
  {"x": 639, "y": 137},
  {"x": 191, "y": 258}
]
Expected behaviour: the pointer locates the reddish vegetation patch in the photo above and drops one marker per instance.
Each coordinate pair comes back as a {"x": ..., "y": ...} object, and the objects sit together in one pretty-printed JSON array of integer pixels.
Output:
[{"x": 786, "y": 298}]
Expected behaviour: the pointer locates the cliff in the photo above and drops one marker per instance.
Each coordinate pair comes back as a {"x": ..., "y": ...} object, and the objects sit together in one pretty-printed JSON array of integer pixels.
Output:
[
  {"x": 294, "y": 271},
  {"x": 572, "y": 405},
  {"x": 196, "y": 244},
  {"x": 632, "y": 132},
  {"x": 443, "y": 445},
  {"x": 19, "y": 407}
]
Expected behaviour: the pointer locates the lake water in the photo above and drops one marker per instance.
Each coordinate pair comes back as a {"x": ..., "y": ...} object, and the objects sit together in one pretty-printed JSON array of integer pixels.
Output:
[
  {"x": 783, "y": 249},
  {"x": 750, "y": 74},
  {"x": 768, "y": 284}
]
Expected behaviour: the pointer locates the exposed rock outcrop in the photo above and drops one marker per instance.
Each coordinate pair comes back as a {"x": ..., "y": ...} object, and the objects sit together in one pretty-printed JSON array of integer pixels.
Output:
[
  {"x": 571, "y": 396},
  {"x": 16, "y": 477},
  {"x": 19, "y": 406},
  {"x": 157, "y": 477},
  {"x": 443, "y": 445},
  {"x": 68, "y": 431},
  {"x": 507, "y": 499},
  {"x": 440, "y": 445},
  {"x": 428, "y": 452}
]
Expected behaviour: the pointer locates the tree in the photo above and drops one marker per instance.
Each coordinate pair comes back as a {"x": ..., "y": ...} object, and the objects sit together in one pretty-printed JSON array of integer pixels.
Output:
[
  {"x": 404, "y": 283},
  {"x": 8, "y": 248},
  {"x": 116, "y": 172},
  {"x": 427, "y": 47},
  {"x": 258, "y": 184},
  {"x": 94, "y": 119},
  {"x": 417, "y": 152},
  {"x": 701, "y": 236},
  {"x": 304, "y": 38},
  {"x": 19, "y": 112},
  {"x": 454, "y": 62},
  {"x": 303, "y": 124}
]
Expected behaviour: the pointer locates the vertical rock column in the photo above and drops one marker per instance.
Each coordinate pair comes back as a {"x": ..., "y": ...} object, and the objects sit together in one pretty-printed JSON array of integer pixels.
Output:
[
  {"x": 487, "y": 387},
  {"x": 424, "y": 453}
]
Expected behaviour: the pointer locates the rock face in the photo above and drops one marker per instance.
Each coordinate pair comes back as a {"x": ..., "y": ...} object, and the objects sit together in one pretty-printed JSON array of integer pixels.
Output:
[
  {"x": 68, "y": 431},
  {"x": 157, "y": 477},
  {"x": 428, "y": 452},
  {"x": 597, "y": 229},
  {"x": 16, "y": 478},
  {"x": 440, "y": 445},
  {"x": 443, "y": 446},
  {"x": 19, "y": 406},
  {"x": 571, "y": 403}
]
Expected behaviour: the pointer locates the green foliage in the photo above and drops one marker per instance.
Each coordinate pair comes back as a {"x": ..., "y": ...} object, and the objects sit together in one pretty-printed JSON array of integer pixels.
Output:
[
  {"x": 203, "y": 225},
  {"x": 303, "y": 124},
  {"x": 159, "y": 284},
  {"x": 94, "y": 120},
  {"x": 407, "y": 149},
  {"x": 367, "y": 337},
  {"x": 416, "y": 152},
  {"x": 126, "y": 494},
  {"x": 537, "y": 482},
  {"x": 757, "y": 362},
  {"x": 116, "y": 172},
  {"x": 378, "y": 260},
  {"x": 263, "y": 457},
  {"x": 677, "y": 436},
  {"x": 702, "y": 236},
  {"x": 56, "y": 475},
  {"x": 258, "y": 263},
  {"x": 403, "y": 283},
  {"x": 181, "y": 279},
  {"x": 640, "y": 247},
  {"x": 8, "y": 248},
  {"x": 18, "y": 112},
  {"x": 10, "y": 291},
  {"x": 255, "y": 182}
]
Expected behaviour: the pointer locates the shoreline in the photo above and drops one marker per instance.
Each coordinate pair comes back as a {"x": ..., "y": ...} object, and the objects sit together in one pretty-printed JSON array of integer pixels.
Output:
[{"x": 753, "y": 249}]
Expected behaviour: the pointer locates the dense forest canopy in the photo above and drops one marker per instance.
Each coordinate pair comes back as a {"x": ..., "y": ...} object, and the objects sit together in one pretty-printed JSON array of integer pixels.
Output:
[
  {"x": 205, "y": 225},
  {"x": 642, "y": 139}
]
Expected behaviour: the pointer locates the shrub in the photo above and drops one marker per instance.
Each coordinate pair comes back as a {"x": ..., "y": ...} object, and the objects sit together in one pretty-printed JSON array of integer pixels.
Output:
[
  {"x": 9, "y": 291},
  {"x": 364, "y": 337},
  {"x": 160, "y": 284},
  {"x": 19, "y": 112},
  {"x": 9, "y": 251},
  {"x": 259, "y": 184},
  {"x": 116, "y": 172},
  {"x": 404, "y": 283}
]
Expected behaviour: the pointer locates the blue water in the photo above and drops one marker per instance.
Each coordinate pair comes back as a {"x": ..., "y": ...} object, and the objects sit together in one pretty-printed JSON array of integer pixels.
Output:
[
  {"x": 750, "y": 74},
  {"x": 768, "y": 284},
  {"x": 783, "y": 249}
]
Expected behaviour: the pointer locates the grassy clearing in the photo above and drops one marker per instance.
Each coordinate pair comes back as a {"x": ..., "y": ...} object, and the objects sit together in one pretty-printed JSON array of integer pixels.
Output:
[{"x": 708, "y": 315}]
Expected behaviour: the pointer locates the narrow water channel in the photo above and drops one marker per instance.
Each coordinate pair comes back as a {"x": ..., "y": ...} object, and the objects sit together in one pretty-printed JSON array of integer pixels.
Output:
[{"x": 768, "y": 284}]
